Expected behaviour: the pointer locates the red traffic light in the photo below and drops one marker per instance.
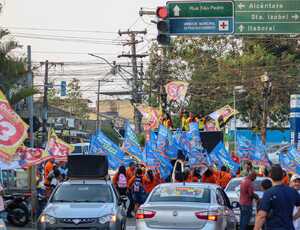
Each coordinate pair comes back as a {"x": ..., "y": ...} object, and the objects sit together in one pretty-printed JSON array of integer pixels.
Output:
[{"x": 162, "y": 12}]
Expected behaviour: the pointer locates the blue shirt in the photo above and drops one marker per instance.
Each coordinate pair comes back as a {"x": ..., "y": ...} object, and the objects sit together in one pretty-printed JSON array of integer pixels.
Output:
[{"x": 279, "y": 202}]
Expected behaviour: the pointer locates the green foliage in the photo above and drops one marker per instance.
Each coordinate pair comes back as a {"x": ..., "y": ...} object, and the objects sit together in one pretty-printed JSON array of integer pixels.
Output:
[
  {"x": 12, "y": 71},
  {"x": 73, "y": 103},
  {"x": 111, "y": 133},
  {"x": 214, "y": 66}
]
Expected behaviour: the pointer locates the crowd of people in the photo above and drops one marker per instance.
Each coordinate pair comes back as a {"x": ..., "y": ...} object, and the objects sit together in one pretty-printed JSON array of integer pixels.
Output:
[{"x": 276, "y": 209}]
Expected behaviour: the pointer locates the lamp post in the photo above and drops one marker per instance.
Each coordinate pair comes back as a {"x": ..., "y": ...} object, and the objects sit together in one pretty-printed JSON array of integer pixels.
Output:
[
  {"x": 113, "y": 72},
  {"x": 236, "y": 89}
]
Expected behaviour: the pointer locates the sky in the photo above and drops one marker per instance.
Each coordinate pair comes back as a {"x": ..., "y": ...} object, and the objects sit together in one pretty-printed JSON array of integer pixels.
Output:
[{"x": 66, "y": 31}]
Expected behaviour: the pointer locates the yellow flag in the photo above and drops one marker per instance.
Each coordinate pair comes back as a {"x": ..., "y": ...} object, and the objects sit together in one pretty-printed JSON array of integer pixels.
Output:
[{"x": 13, "y": 130}]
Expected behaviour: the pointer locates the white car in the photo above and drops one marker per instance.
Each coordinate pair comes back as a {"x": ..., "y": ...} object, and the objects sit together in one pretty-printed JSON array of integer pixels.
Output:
[
  {"x": 186, "y": 206},
  {"x": 233, "y": 192}
]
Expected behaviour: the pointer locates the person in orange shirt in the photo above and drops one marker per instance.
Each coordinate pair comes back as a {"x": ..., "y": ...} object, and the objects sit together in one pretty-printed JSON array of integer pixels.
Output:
[
  {"x": 120, "y": 181},
  {"x": 285, "y": 180},
  {"x": 209, "y": 177},
  {"x": 130, "y": 174},
  {"x": 48, "y": 168},
  {"x": 224, "y": 177},
  {"x": 149, "y": 181}
]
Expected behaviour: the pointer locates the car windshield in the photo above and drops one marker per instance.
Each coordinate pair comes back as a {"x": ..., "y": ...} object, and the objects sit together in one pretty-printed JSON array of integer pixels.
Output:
[
  {"x": 235, "y": 184},
  {"x": 180, "y": 194},
  {"x": 83, "y": 193}
]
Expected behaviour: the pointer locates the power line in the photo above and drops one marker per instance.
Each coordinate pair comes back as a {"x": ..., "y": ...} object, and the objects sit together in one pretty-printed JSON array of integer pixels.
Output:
[{"x": 62, "y": 30}]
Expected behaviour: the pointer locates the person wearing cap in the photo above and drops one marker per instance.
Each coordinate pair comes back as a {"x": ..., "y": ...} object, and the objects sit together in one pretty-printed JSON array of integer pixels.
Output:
[
  {"x": 277, "y": 205},
  {"x": 295, "y": 183}
]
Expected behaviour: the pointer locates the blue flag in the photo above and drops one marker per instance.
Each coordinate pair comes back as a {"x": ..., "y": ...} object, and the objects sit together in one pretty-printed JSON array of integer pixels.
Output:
[
  {"x": 131, "y": 143},
  {"x": 155, "y": 159},
  {"x": 287, "y": 162},
  {"x": 101, "y": 144},
  {"x": 224, "y": 157},
  {"x": 245, "y": 147},
  {"x": 295, "y": 156},
  {"x": 196, "y": 154}
]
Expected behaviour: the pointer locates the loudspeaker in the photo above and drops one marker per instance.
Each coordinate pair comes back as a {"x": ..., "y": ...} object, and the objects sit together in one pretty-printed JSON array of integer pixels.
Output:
[{"x": 87, "y": 166}]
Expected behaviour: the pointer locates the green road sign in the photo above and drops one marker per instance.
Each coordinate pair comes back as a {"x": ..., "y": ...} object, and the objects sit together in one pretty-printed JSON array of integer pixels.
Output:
[
  {"x": 267, "y": 16},
  {"x": 203, "y": 9}
]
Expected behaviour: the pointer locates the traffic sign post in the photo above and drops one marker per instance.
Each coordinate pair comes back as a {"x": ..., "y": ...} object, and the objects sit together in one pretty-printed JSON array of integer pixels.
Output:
[
  {"x": 267, "y": 17},
  {"x": 201, "y": 17}
]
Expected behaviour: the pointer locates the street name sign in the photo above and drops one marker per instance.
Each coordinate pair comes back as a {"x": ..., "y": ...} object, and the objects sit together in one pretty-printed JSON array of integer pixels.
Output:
[
  {"x": 201, "y": 17},
  {"x": 267, "y": 16}
]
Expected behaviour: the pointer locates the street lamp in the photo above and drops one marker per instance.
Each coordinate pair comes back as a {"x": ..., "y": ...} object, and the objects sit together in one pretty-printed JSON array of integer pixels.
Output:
[
  {"x": 113, "y": 71},
  {"x": 236, "y": 89}
]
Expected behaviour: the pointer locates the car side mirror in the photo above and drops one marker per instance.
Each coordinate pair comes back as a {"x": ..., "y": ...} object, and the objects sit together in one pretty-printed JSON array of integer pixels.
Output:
[{"x": 235, "y": 204}]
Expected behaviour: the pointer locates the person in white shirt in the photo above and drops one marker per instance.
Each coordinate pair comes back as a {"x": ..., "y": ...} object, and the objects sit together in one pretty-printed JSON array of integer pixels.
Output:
[{"x": 295, "y": 183}]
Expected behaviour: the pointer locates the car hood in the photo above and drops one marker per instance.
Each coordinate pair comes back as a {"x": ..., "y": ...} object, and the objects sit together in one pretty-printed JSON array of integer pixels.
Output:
[{"x": 78, "y": 210}]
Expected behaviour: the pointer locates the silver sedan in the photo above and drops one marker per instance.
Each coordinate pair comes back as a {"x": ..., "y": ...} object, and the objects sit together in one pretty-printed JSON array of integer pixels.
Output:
[{"x": 186, "y": 206}]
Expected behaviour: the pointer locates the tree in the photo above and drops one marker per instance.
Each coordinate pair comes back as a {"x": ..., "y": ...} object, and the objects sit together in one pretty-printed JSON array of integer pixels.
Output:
[
  {"x": 213, "y": 66},
  {"x": 74, "y": 103},
  {"x": 12, "y": 71}
]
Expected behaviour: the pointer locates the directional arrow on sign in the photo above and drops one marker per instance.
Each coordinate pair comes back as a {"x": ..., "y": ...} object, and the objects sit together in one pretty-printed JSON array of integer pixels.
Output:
[
  {"x": 241, "y": 6},
  {"x": 241, "y": 28},
  {"x": 295, "y": 17},
  {"x": 176, "y": 11}
]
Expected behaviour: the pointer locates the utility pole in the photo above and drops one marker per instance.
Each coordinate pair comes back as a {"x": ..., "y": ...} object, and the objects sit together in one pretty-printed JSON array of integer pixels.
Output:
[
  {"x": 98, "y": 109},
  {"x": 163, "y": 77},
  {"x": 48, "y": 65},
  {"x": 267, "y": 88},
  {"x": 137, "y": 88},
  {"x": 30, "y": 99},
  {"x": 32, "y": 171},
  {"x": 45, "y": 103}
]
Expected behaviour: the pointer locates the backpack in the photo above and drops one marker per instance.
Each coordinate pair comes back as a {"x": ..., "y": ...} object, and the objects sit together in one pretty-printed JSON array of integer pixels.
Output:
[
  {"x": 122, "y": 181},
  {"x": 137, "y": 186}
]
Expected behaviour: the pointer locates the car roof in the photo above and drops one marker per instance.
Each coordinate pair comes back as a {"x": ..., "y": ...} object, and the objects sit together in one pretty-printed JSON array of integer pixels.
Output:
[
  {"x": 201, "y": 185},
  {"x": 87, "y": 181},
  {"x": 257, "y": 178}
]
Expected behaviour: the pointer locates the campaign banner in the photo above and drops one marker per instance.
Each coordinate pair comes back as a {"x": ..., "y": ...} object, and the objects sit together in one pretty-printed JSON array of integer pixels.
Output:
[
  {"x": 101, "y": 144},
  {"x": 295, "y": 120},
  {"x": 28, "y": 157},
  {"x": 151, "y": 116},
  {"x": 222, "y": 115},
  {"x": 223, "y": 156},
  {"x": 13, "y": 130},
  {"x": 131, "y": 143},
  {"x": 176, "y": 90},
  {"x": 57, "y": 148}
]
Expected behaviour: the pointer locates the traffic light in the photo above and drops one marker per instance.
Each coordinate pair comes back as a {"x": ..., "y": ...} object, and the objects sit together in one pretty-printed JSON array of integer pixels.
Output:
[
  {"x": 63, "y": 88},
  {"x": 163, "y": 36}
]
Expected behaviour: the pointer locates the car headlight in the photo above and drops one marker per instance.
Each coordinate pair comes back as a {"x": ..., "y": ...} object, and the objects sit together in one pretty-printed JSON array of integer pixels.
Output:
[
  {"x": 47, "y": 219},
  {"x": 109, "y": 218}
]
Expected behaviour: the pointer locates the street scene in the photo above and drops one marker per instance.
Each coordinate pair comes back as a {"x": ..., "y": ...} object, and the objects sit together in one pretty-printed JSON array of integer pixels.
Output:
[{"x": 150, "y": 115}]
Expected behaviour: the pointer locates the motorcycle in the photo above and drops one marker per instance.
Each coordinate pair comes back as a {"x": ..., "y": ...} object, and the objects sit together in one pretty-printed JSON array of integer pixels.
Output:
[{"x": 17, "y": 208}]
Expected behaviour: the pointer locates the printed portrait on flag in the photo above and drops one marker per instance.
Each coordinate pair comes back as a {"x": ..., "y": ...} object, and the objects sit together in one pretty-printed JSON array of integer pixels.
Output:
[
  {"x": 151, "y": 116},
  {"x": 176, "y": 90}
]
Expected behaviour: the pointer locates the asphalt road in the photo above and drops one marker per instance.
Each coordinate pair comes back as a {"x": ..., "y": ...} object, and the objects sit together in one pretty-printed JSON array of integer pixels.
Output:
[{"x": 130, "y": 226}]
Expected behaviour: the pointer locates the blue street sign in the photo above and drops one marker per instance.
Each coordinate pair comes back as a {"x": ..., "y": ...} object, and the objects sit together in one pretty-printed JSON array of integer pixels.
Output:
[
  {"x": 201, "y": 26},
  {"x": 63, "y": 88}
]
